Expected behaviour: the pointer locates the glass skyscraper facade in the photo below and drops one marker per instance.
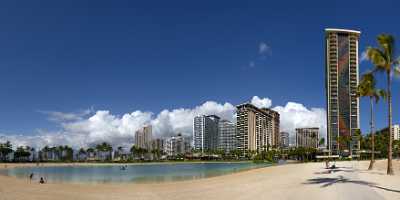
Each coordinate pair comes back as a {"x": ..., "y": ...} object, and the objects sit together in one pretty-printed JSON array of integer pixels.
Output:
[
  {"x": 205, "y": 132},
  {"x": 227, "y": 135},
  {"x": 341, "y": 86}
]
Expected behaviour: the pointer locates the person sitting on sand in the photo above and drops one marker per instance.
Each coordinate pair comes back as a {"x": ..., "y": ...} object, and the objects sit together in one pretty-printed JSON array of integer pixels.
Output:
[{"x": 41, "y": 180}]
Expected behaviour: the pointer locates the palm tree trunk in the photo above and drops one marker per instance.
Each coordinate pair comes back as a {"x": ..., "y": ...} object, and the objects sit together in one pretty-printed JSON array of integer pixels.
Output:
[
  {"x": 371, "y": 164},
  {"x": 389, "y": 166}
]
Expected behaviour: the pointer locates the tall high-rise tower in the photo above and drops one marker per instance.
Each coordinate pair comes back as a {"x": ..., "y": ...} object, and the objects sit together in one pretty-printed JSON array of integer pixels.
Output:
[
  {"x": 143, "y": 137},
  {"x": 205, "y": 132},
  {"x": 226, "y": 135},
  {"x": 341, "y": 52},
  {"x": 254, "y": 128}
]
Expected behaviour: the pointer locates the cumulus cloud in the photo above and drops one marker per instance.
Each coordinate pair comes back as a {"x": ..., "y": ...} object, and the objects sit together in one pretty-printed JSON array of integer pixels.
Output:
[
  {"x": 261, "y": 102},
  {"x": 181, "y": 120},
  {"x": 295, "y": 115},
  {"x": 85, "y": 129},
  {"x": 118, "y": 130}
]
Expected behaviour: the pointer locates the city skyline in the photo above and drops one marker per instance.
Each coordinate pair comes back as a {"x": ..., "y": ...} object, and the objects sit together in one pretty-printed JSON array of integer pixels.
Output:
[
  {"x": 195, "y": 100},
  {"x": 67, "y": 76},
  {"x": 100, "y": 123}
]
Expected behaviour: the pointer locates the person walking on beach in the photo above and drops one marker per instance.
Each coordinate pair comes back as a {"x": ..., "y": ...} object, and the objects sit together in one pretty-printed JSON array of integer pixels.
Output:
[{"x": 30, "y": 177}]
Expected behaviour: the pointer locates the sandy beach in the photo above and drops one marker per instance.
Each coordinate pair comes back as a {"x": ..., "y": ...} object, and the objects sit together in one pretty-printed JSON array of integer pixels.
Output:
[{"x": 309, "y": 181}]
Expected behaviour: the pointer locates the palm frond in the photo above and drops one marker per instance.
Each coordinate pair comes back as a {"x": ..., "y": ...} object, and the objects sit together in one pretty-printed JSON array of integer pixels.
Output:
[
  {"x": 387, "y": 43},
  {"x": 397, "y": 71},
  {"x": 396, "y": 67},
  {"x": 379, "y": 93},
  {"x": 377, "y": 57}
]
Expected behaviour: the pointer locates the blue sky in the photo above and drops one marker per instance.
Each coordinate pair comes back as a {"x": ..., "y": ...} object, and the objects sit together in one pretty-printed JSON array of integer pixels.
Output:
[{"x": 134, "y": 55}]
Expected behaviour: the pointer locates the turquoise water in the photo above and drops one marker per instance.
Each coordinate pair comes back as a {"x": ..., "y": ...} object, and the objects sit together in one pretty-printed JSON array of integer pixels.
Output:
[{"x": 133, "y": 173}]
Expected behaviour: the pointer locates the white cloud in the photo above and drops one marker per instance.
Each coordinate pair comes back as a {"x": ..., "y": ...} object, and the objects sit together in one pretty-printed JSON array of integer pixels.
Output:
[
  {"x": 295, "y": 115},
  {"x": 261, "y": 102},
  {"x": 102, "y": 125},
  {"x": 62, "y": 117},
  {"x": 364, "y": 56},
  {"x": 264, "y": 48}
]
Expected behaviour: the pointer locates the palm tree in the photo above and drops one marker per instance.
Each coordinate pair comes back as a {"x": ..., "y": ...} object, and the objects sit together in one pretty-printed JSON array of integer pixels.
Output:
[
  {"x": 366, "y": 88},
  {"x": 135, "y": 151},
  {"x": 384, "y": 61},
  {"x": 119, "y": 152},
  {"x": 91, "y": 153},
  {"x": 81, "y": 154},
  {"x": 5, "y": 149},
  {"x": 346, "y": 140},
  {"x": 44, "y": 153},
  {"x": 104, "y": 148},
  {"x": 321, "y": 142},
  {"x": 22, "y": 153},
  {"x": 59, "y": 152}
]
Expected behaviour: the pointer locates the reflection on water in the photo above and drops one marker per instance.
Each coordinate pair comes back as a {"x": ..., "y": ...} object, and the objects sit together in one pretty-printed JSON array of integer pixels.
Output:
[{"x": 133, "y": 173}]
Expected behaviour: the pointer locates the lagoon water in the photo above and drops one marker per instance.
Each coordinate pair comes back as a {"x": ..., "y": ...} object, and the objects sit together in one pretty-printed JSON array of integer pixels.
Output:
[{"x": 134, "y": 173}]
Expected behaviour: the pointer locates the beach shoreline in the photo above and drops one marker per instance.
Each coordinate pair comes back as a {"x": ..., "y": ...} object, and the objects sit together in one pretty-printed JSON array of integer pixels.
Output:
[{"x": 62, "y": 164}]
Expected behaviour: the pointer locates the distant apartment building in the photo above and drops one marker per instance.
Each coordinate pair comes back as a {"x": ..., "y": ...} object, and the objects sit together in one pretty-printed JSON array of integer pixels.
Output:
[
  {"x": 274, "y": 139},
  {"x": 177, "y": 145},
  {"x": 396, "y": 132},
  {"x": 254, "y": 128},
  {"x": 307, "y": 137},
  {"x": 227, "y": 135},
  {"x": 205, "y": 132},
  {"x": 143, "y": 137},
  {"x": 284, "y": 139},
  {"x": 341, "y": 52},
  {"x": 157, "y": 144}
]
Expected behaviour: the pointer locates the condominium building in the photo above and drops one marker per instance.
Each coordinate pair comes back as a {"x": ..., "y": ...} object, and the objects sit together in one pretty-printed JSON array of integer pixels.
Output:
[
  {"x": 205, "y": 132},
  {"x": 274, "y": 139},
  {"x": 176, "y": 145},
  {"x": 307, "y": 137},
  {"x": 157, "y": 144},
  {"x": 396, "y": 132},
  {"x": 341, "y": 86},
  {"x": 254, "y": 128},
  {"x": 284, "y": 139},
  {"x": 226, "y": 135},
  {"x": 143, "y": 137}
]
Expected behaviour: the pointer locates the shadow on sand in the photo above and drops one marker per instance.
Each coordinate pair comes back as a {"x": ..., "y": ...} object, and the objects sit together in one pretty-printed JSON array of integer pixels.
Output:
[
  {"x": 338, "y": 169},
  {"x": 325, "y": 182}
]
